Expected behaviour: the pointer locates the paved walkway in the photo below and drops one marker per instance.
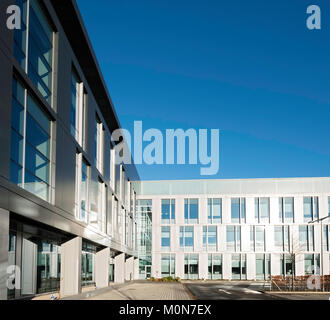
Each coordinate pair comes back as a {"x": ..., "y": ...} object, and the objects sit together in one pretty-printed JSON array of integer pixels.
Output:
[{"x": 144, "y": 291}]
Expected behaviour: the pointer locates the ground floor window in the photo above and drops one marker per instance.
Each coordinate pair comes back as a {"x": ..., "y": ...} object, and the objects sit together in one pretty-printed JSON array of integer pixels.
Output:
[
  {"x": 238, "y": 262},
  {"x": 286, "y": 265},
  {"x": 214, "y": 266},
  {"x": 191, "y": 266},
  {"x": 87, "y": 264},
  {"x": 312, "y": 264},
  {"x": 262, "y": 266},
  {"x": 168, "y": 265}
]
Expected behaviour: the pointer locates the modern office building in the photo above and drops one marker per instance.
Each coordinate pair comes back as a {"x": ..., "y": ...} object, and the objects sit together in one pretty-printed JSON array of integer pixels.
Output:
[
  {"x": 237, "y": 229},
  {"x": 67, "y": 215},
  {"x": 71, "y": 217}
]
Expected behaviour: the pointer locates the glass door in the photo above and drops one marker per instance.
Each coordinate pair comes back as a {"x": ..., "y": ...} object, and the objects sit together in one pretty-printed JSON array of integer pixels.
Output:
[{"x": 148, "y": 272}]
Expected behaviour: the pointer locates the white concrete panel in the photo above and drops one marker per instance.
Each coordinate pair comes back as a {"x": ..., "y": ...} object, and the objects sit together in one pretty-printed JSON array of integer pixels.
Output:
[
  {"x": 198, "y": 238},
  {"x": 298, "y": 209},
  {"x": 175, "y": 238},
  {"x": 203, "y": 210},
  {"x": 203, "y": 265},
  {"x": 269, "y": 236},
  {"x": 136, "y": 269},
  {"x": 226, "y": 209},
  {"x": 251, "y": 266},
  {"x": 156, "y": 268},
  {"x": 250, "y": 210},
  {"x": 71, "y": 267},
  {"x": 29, "y": 268},
  {"x": 275, "y": 264},
  {"x": 324, "y": 207},
  {"x": 326, "y": 263},
  {"x": 274, "y": 210},
  {"x": 221, "y": 238},
  {"x": 179, "y": 203},
  {"x": 156, "y": 211},
  {"x": 129, "y": 269},
  {"x": 300, "y": 264},
  {"x": 120, "y": 268},
  {"x": 226, "y": 266},
  {"x": 102, "y": 260},
  {"x": 179, "y": 265},
  {"x": 245, "y": 236},
  {"x": 317, "y": 237}
]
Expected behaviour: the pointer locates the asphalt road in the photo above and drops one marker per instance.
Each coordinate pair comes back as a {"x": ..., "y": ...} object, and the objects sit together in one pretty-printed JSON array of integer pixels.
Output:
[{"x": 243, "y": 291}]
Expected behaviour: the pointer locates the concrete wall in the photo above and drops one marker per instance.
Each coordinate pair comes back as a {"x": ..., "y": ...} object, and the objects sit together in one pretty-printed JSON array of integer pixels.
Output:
[
  {"x": 4, "y": 236},
  {"x": 129, "y": 269},
  {"x": 120, "y": 268},
  {"x": 102, "y": 259}
]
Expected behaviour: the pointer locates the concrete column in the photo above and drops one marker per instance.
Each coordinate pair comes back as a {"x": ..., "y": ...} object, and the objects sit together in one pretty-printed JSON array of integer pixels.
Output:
[
  {"x": 203, "y": 211},
  {"x": 136, "y": 270},
  {"x": 179, "y": 265},
  {"x": 269, "y": 238},
  {"x": 4, "y": 239},
  {"x": 129, "y": 269},
  {"x": 274, "y": 210},
  {"x": 300, "y": 264},
  {"x": 203, "y": 266},
  {"x": 102, "y": 260},
  {"x": 156, "y": 268},
  {"x": 298, "y": 209},
  {"x": 250, "y": 216},
  {"x": 221, "y": 238},
  {"x": 251, "y": 266},
  {"x": 120, "y": 268},
  {"x": 226, "y": 263},
  {"x": 226, "y": 210},
  {"x": 71, "y": 267},
  {"x": 275, "y": 264},
  {"x": 179, "y": 213},
  {"x": 245, "y": 234}
]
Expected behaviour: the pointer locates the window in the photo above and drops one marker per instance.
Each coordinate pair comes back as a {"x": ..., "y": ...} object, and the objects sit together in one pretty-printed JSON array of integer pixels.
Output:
[
  {"x": 187, "y": 238},
  {"x": 191, "y": 266},
  {"x": 238, "y": 266},
  {"x": 312, "y": 264},
  {"x": 98, "y": 145},
  {"x": 306, "y": 238},
  {"x": 262, "y": 266},
  {"x": 168, "y": 211},
  {"x": 210, "y": 238},
  {"x": 77, "y": 112},
  {"x": 168, "y": 265},
  {"x": 257, "y": 238},
  {"x": 238, "y": 210},
  {"x": 282, "y": 238},
  {"x": 35, "y": 56},
  {"x": 98, "y": 207},
  {"x": 214, "y": 266},
  {"x": 261, "y": 206},
  {"x": 82, "y": 188},
  {"x": 326, "y": 237},
  {"x": 234, "y": 238},
  {"x": 30, "y": 144},
  {"x": 166, "y": 238},
  {"x": 311, "y": 208},
  {"x": 191, "y": 210},
  {"x": 214, "y": 209},
  {"x": 286, "y": 213},
  {"x": 286, "y": 265}
]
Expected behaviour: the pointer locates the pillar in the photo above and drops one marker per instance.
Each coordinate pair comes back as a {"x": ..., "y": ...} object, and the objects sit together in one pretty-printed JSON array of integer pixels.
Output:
[
  {"x": 102, "y": 265},
  {"x": 4, "y": 239},
  {"x": 120, "y": 268}
]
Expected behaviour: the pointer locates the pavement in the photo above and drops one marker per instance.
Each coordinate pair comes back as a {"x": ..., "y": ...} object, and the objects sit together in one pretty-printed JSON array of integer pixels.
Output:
[{"x": 244, "y": 290}]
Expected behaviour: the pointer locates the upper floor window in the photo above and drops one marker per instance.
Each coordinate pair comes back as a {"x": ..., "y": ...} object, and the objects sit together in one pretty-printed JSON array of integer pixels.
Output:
[
  {"x": 282, "y": 238},
  {"x": 214, "y": 210},
  {"x": 210, "y": 237},
  {"x": 82, "y": 188},
  {"x": 168, "y": 211},
  {"x": 77, "y": 112},
  {"x": 99, "y": 145},
  {"x": 257, "y": 238},
  {"x": 234, "y": 238},
  {"x": 326, "y": 237},
  {"x": 329, "y": 206},
  {"x": 33, "y": 46},
  {"x": 311, "y": 208},
  {"x": 286, "y": 210},
  {"x": 238, "y": 210},
  {"x": 30, "y": 144},
  {"x": 261, "y": 206},
  {"x": 191, "y": 210},
  {"x": 166, "y": 238},
  {"x": 306, "y": 238},
  {"x": 187, "y": 238},
  {"x": 312, "y": 264}
]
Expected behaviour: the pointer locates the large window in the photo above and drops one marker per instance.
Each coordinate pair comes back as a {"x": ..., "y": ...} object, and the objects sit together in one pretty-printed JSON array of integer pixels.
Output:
[
  {"x": 238, "y": 210},
  {"x": 312, "y": 264},
  {"x": 191, "y": 266},
  {"x": 257, "y": 238},
  {"x": 233, "y": 238},
  {"x": 238, "y": 266},
  {"x": 168, "y": 211},
  {"x": 214, "y": 210},
  {"x": 306, "y": 238},
  {"x": 311, "y": 208},
  {"x": 286, "y": 265},
  {"x": 210, "y": 238},
  {"x": 77, "y": 112},
  {"x": 286, "y": 210},
  {"x": 30, "y": 144},
  {"x": 82, "y": 188},
  {"x": 33, "y": 46},
  {"x": 166, "y": 238},
  {"x": 99, "y": 145},
  {"x": 187, "y": 238},
  {"x": 191, "y": 210},
  {"x": 214, "y": 266},
  {"x": 261, "y": 208},
  {"x": 262, "y": 266},
  {"x": 168, "y": 265},
  {"x": 282, "y": 238},
  {"x": 326, "y": 237}
]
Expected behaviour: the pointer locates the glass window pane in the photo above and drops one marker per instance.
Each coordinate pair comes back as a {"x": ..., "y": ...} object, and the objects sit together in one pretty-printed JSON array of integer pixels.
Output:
[{"x": 235, "y": 210}]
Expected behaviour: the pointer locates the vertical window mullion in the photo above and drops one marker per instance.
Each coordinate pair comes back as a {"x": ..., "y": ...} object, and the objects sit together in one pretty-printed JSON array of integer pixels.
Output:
[
  {"x": 24, "y": 138},
  {"x": 27, "y": 35}
]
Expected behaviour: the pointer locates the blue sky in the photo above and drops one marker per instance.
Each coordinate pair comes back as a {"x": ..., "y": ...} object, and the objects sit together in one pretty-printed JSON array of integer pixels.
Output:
[{"x": 249, "y": 68}]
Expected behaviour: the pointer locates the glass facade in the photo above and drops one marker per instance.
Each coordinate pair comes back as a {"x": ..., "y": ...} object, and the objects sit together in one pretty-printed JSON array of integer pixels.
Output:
[
  {"x": 191, "y": 211},
  {"x": 191, "y": 266},
  {"x": 88, "y": 264},
  {"x": 238, "y": 210},
  {"x": 261, "y": 208},
  {"x": 311, "y": 208},
  {"x": 257, "y": 238},
  {"x": 286, "y": 265},
  {"x": 286, "y": 210},
  {"x": 238, "y": 266},
  {"x": 233, "y": 238},
  {"x": 35, "y": 56},
  {"x": 99, "y": 146},
  {"x": 312, "y": 264},
  {"x": 187, "y": 238},
  {"x": 166, "y": 238},
  {"x": 30, "y": 144},
  {"x": 215, "y": 266},
  {"x": 168, "y": 265},
  {"x": 168, "y": 211},
  {"x": 214, "y": 211},
  {"x": 282, "y": 238},
  {"x": 210, "y": 238},
  {"x": 306, "y": 238}
]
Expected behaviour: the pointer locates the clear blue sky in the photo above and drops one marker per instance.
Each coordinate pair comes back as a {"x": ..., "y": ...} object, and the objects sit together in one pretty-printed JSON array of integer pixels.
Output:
[{"x": 248, "y": 67}]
